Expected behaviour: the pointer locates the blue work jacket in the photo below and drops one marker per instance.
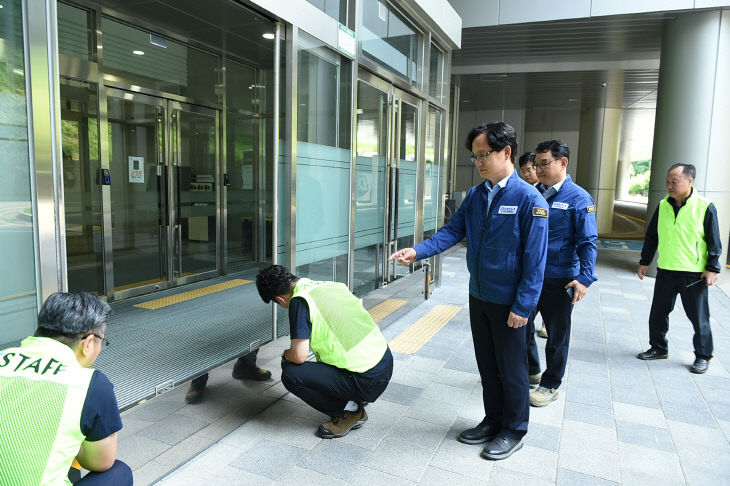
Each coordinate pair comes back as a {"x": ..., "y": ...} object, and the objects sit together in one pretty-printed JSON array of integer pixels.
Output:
[
  {"x": 572, "y": 237},
  {"x": 506, "y": 246}
]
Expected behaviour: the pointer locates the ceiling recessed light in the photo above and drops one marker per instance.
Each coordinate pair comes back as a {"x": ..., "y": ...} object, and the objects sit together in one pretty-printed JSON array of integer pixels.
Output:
[
  {"x": 571, "y": 99},
  {"x": 138, "y": 53},
  {"x": 269, "y": 36}
]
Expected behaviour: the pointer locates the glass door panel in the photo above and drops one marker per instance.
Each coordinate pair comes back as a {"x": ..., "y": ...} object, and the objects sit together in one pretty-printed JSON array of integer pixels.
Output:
[
  {"x": 370, "y": 187},
  {"x": 432, "y": 157},
  {"x": 82, "y": 194},
  {"x": 242, "y": 168},
  {"x": 138, "y": 196},
  {"x": 196, "y": 192}
]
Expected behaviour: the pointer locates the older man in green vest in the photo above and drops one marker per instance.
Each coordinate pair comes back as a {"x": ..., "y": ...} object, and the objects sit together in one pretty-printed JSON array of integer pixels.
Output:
[
  {"x": 685, "y": 232},
  {"x": 53, "y": 406},
  {"x": 354, "y": 363}
]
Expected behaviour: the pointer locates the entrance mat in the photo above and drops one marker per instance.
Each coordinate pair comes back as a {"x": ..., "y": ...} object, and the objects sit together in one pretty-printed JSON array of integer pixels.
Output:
[
  {"x": 418, "y": 334},
  {"x": 192, "y": 294}
]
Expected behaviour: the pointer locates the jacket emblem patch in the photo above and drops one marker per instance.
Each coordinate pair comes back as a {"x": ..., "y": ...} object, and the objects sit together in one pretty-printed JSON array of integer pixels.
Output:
[
  {"x": 507, "y": 210},
  {"x": 591, "y": 209},
  {"x": 560, "y": 205},
  {"x": 539, "y": 212}
]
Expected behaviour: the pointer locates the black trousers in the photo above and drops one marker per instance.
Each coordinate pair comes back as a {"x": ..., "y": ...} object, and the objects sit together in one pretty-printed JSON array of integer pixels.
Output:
[
  {"x": 118, "y": 475},
  {"x": 694, "y": 300},
  {"x": 248, "y": 360},
  {"x": 327, "y": 388},
  {"x": 555, "y": 306},
  {"x": 501, "y": 354}
]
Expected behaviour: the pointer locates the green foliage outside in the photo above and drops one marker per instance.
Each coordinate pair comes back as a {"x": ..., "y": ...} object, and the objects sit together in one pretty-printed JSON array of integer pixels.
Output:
[{"x": 639, "y": 179}]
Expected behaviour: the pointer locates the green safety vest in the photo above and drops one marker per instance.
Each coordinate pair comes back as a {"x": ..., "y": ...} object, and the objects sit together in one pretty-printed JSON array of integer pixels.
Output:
[
  {"x": 343, "y": 333},
  {"x": 682, "y": 245},
  {"x": 42, "y": 393}
]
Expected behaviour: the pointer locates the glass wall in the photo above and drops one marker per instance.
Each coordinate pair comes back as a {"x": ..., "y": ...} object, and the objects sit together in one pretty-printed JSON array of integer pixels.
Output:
[
  {"x": 432, "y": 179},
  {"x": 337, "y": 9},
  {"x": 18, "y": 288},
  {"x": 436, "y": 81},
  {"x": 388, "y": 40},
  {"x": 324, "y": 87}
]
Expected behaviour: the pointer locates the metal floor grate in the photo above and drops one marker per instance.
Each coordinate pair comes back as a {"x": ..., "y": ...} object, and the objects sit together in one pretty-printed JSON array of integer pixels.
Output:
[{"x": 153, "y": 346}]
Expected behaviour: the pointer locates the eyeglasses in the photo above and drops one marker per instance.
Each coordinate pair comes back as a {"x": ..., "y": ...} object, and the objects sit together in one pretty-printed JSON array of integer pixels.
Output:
[
  {"x": 544, "y": 164},
  {"x": 104, "y": 340},
  {"x": 527, "y": 170},
  {"x": 481, "y": 157}
]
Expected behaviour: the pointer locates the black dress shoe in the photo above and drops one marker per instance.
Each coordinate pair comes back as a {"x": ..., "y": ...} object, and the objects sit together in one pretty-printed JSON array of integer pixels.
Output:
[
  {"x": 700, "y": 366},
  {"x": 479, "y": 434},
  {"x": 653, "y": 353},
  {"x": 501, "y": 447}
]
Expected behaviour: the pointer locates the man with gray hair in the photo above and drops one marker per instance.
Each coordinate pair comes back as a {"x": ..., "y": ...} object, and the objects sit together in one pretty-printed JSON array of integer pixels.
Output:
[
  {"x": 55, "y": 408},
  {"x": 685, "y": 232}
]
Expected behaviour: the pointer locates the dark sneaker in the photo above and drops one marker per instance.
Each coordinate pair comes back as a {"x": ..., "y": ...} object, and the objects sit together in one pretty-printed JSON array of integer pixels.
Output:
[
  {"x": 340, "y": 426},
  {"x": 479, "y": 434},
  {"x": 653, "y": 353},
  {"x": 251, "y": 373},
  {"x": 501, "y": 447},
  {"x": 700, "y": 366},
  {"x": 197, "y": 390}
]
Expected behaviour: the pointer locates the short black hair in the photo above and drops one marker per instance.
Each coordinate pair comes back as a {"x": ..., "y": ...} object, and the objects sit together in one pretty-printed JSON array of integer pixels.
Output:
[
  {"x": 527, "y": 158},
  {"x": 274, "y": 280},
  {"x": 499, "y": 135},
  {"x": 688, "y": 170},
  {"x": 68, "y": 317},
  {"x": 558, "y": 148}
]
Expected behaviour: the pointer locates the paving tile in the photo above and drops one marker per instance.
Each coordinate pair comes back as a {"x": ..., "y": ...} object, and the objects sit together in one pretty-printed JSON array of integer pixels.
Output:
[
  {"x": 635, "y": 396},
  {"x": 400, "y": 459},
  {"x": 462, "y": 362},
  {"x": 418, "y": 432},
  {"x": 294, "y": 431},
  {"x": 644, "y": 435},
  {"x": 434, "y": 476},
  {"x": 214, "y": 457},
  {"x": 704, "y": 452},
  {"x": 597, "y": 396},
  {"x": 154, "y": 410},
  {"x": 589, "y": 460},
  {"x": 435, "y": 352},
  {"x": 566, "y": 477},
  {"x": 173, "y": 428},
  {"x": 233, "y": 476},
  {"x": 635, "y": 478},
  {"x": 545, "y": 436},
  {"x": 590, "y": 414},
  {"x": 462, "y": 459},
  {"x": 335, "y": 459},
  {"x": 369, "y": 476},
  {"x": 456, "y": 378},
  {"x": 300, "y": 475},
  {"x": 137, "y": 450},
  {"x": 183, "y": 451},
  {"x": 131, "y": 426},
  {"x": 437, "y": 413},
  {"x": 269, "y": 459},
  {"x": 551, "y": 414},
  {"x": 222, "y": 426},
  {"x": 427, "y": 365},
  {"x": 588, "y": 435},
  {"x": 506, "y": 477},
  {"x": 473, "y": 407},
  {"x": 369, "y": 436},
  {"x": 445, "y": 393},
  {"x": 150, "y": 473},
  {"x": 410, "y": 377},
  {"x": 649, "y": 461},
  {"x": 400, "y": 393},
  {"x": 639, "y": 415},
  {"x": 539, "y": 462},
  {"x": 690, "y": 415}
]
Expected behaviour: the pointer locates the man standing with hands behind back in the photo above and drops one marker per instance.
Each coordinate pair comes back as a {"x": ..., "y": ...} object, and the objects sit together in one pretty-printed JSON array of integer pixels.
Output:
[
  {"x": 685, "y": 231},
  {"x": 505, "y": 224}
]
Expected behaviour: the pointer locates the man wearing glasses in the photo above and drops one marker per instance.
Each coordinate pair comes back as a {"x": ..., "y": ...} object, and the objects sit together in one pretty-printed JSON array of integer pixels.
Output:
[
  {"x": 571, "y": 258},
  {"x": 54, "y": 407},
  {"x": 685, "y": 231},
  {"x": 504, "y": 221}
]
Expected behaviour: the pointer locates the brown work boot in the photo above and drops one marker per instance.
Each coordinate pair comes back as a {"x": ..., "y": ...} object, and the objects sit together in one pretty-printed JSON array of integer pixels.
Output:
[
  {"x": 196, "y": 390},
  {"x": 340, "y": 426},
  {"x": 250, "y": 373}
]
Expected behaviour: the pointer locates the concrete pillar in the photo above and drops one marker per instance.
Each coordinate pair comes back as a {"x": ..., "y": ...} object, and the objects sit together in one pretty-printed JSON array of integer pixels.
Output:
[
  {"x": 693, "y": 110},
  {"x": 623, "y": 168},
  {"x": 598, "y": 149}
]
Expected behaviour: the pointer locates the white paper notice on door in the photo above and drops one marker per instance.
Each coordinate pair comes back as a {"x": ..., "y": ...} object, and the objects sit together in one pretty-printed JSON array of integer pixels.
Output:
[{"x": 136, "y": 170}]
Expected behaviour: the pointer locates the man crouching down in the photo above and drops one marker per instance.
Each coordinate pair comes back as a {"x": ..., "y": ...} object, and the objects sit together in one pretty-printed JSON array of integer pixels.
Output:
[{"x": 354, "y": 363}]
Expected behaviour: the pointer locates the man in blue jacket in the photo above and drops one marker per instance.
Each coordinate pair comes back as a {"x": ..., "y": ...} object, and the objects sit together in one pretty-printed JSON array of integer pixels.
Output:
[
  {"x": 571, "y": 258},
  {"x": 504, "y": 221}
]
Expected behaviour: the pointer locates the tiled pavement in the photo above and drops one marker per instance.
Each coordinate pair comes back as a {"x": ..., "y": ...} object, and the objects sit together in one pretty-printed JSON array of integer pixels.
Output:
[{"x": 617, "y": 419}]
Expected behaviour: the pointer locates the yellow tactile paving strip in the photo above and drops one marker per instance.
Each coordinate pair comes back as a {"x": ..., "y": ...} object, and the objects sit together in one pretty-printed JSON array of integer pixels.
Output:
[
  {"x": 418, "y": 334},
  {"x": 192, "y": 294},
  {"x": 380, "y": 311}
]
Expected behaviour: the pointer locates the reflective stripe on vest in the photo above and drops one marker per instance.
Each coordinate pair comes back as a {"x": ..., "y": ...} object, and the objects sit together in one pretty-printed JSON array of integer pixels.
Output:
[
  {"x": 343, "y": 333},
  {"x": 682, "y": 245},
  {"x": 43, "y": 388}
]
